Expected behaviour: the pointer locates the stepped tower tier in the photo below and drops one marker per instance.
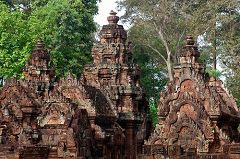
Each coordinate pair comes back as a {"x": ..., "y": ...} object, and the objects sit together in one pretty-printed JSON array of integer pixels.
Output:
[
  {"x": 38, "y": 71},
  {"x": 38, "y": 66},
  {"x": 189, "y": 53},
  {"x": 113, "y": 33}
]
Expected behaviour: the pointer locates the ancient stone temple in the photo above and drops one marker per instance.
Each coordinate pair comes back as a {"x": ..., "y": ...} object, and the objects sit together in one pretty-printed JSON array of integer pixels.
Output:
[
  {"x": 102, "y": 115},
  {"x": 36, "y": 119},
  {"x": 197, "y": 116}
]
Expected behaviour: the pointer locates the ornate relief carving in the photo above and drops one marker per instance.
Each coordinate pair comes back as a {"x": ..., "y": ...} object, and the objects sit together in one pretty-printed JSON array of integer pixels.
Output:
[
  {"x": 97, "y": 116},
  {"x": 192, "y": 111}
]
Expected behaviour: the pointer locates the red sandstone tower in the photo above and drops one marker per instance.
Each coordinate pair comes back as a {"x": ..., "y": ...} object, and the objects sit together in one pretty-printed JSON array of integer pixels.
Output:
[
  {"x": 114, "y": 72},
  {"x": 197, "y": 116}
]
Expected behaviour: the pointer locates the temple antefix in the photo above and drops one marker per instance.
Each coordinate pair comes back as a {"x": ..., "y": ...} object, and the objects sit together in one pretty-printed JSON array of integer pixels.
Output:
[
  {"x": 102, "y": 115},
  {"x": 196, "y": 115}
]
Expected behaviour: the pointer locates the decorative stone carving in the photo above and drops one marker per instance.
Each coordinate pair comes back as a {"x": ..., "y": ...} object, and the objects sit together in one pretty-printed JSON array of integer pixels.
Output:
[
  {"x": 114, "y": 72},
  {"x": 97, "y": 116},
  {"x": 195, "y": 111}
]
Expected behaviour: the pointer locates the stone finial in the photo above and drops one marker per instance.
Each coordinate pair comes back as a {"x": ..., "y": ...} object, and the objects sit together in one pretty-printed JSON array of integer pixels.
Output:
[
  {"x": 39, "y": 45},
  {"x": 190, "y": 41},
  {"x": 38, "y": 64},
  {"x": 190, "y": 49},
  {"x": 112, "y": 32},
  {"x": 113, "y": 19},
  {"x": 40, "y": 51}
]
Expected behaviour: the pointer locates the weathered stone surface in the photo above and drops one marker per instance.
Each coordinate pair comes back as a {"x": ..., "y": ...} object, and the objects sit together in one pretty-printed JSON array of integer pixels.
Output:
[
  {"x": 114, "y": 74},
  {"x": 97, "y": 116},
  {"x": 37, "y": 120},
  {"x": 195, "y": 111},
  {"x": 103, "y": 114}
]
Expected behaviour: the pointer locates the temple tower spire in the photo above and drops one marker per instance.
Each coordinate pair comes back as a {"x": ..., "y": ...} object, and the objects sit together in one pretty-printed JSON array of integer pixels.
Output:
[
  {"x": 117, "y": 76},
  {"x": 38, "y": 70}
]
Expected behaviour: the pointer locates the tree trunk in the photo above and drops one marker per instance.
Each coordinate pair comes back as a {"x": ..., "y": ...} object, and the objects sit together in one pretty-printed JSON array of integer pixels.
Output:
[
  {"x": 168, "y": 61},
  {"x": 169, "y": 67}
]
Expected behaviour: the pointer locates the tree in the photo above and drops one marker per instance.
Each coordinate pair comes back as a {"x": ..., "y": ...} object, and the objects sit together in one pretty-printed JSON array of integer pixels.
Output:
[
  {"x": 15, "y": 42},
  {"x": 172, "y": 20},
  {"x": 66, "y": 27},
  {"x": 214, "y": 22},
  {"x": 153, "y": 74},
  {"x": 233, "y": 84},
  {"x": 215, "y": 25},
  {"x": 162, "y": 20},
  {"x": 71, "y": 35}
]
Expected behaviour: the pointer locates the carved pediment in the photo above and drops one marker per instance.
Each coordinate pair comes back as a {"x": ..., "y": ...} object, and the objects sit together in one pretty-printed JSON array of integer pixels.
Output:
[
  {"x": 54, "y": 114},
  {"x": 17, "y": 99},
  {"x": 188, "y": 133}
]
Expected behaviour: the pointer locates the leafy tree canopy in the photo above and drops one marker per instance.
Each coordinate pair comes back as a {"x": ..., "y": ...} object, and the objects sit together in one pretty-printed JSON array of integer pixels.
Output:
[
  {"x": 164, "y": 25},
  {"x": 15, "y": 42},
  {"x": 153, "y": 72},
  {"x": 66, "y": 27}
]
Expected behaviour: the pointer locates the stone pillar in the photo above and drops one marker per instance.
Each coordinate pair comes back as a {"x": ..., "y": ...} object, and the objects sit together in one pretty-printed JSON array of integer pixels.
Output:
[
  {"x": 130, "y": 146},
  {"x": 131, "y": 139}
]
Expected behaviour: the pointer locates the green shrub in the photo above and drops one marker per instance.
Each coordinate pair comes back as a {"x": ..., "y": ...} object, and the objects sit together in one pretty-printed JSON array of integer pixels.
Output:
[{"x": 153, "y": 112}]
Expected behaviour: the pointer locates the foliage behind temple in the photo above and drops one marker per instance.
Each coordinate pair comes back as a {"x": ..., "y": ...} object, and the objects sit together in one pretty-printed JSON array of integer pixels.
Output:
[{"x": 66, "y": 27}]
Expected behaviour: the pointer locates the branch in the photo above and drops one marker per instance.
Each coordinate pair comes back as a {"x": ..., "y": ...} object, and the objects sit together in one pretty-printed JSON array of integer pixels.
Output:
[
  {"x": 168, "y": 61},
  {"x": 165, "y": 60},
  {"x": 179, "y": 39},
  {"x": 162, "y": 38}
]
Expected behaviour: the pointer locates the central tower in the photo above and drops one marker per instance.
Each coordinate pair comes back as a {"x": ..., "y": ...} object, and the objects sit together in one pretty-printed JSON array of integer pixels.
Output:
[{"x": 114, "y": 73}]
